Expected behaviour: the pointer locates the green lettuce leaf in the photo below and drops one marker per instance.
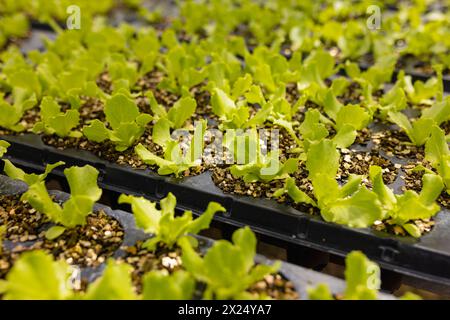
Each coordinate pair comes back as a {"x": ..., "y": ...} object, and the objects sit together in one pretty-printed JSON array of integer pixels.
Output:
[
  {"x": 181, "y": 111},
  {"x": 36, "y": 276},
  {"x": 362, "y": 277},
  {"x": 158, "y": 285},
  {"x": 163, "y": 224},
  {"x": 127, "y": 123},
  {"x": 227, "y": 268},
  {"x": 56, "y": 122},
  {"x": 402, "y": 209},
  {"x": 114, "y": 284},
  {"x": 3, "y": 147},
  {"x": 321, "y": 292},
  {"x": 291, "y": 189},
  {"x": 84, "y": 194},
  {"x": 18, "y": 174}
]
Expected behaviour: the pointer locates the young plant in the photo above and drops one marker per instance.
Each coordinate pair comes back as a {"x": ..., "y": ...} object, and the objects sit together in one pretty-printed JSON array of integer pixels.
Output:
[
  {"x": 10, "y": 115},
  {"x": 269, "y": 68},
  {"x": 315, "y": 69},
  {"x": 260, "y": 167},
  {"x": 312, "y": 128},
  {"x": 228, "y": 269},
  {"x": 363, "y": 281},
  {"x": 18, "y": 174},
  {"x": 126, "y": 122},
  {"x": 291, "y": 189},
  {"x": 84, "y": 194},
  {"x": 54, "y": 121},
  {"x": 163, "y": 224},
  {"x": 114, "y": 284},
  {"x": 25, "y": 90},
  {"x": 13, "y": 25},
  {"x": 236, "y": 114},
  {"x": 421, "y": 92},
  {"x": 438, "y": 154},
  {"x": 347, "y": 119},
  {"x": 176, "y": 161},
  {"x": 230, "y": 114},
  {"x": 403, "y": 209},
  {"x": 377, "y": 75},
  {"x": 419, "y": 130},
  {"x": 159, "y": 285},
  {"x": 351, "y": 204},
  {"x": 36, "y": 276},
  {"x": 3, "y": 147},
  {"x": 362, "y": 277},
  {"x": 183, "y": 69},
  {"x": 29, "y": 178}
]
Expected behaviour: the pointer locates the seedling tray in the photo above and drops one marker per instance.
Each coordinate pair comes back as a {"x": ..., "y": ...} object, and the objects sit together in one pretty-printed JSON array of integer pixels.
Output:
[
  {"x": 426, "y": 259},
  {"x": 299, "y": 276}
]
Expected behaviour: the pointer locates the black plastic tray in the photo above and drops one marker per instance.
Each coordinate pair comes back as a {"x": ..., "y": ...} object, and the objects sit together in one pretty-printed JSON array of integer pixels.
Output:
[
  {"x": 299, "y": 276},
  {"x": 426, "y": 259}
]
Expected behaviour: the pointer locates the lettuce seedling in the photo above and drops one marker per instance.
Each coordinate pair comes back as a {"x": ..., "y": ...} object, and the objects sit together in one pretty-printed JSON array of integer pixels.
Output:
[
  {"x": 419, "y": 130},
  {"x": 26, "y": 90},
  {"x": 159, "y": 285},
  {"x": 312, "y": 129},
  {"x": 123, "y": 73},
  {"x": 123, "y": 116},
  {"x": 54, "y": 121},
  {"x": 355, "y": 40},
  {"x": 231, "y": 115},
  {"x": 236, "y": 115},
  {"x": 222, "y": 71},
  {"x": 291, "y": 189},
  {"x": 351, "y": 204},
  {"x": 270, "y": 68},
  {"x": 14, "y": 25},
  {"x": 265, "y": 168},
  {"x": 316, "y": 68},
  {"x": 36, "y": 276},
  {"x": 181, "y": 111},
  {"x": 260, "y": 167},
  {"x": 145, "y": 48},
  {"x": 3, "y": 147},
  {"x": 10, "y": 115},
  {"x": 228, "y": 269},
  {"x": 393, "y": 101},
  {"x": 404, "y": 208},
  {"x": 18, "y": 174},
  {"x": 84, "y": 194},
  {"x": 176, "y": 161},
  {"x": 438, "y": 154},
  {"x": 362, "y": 277},
  {"x": 114, "y": 284},
  {"x": 182, "y": 70},
  {"x": 166, "y": 228},
  {"x": 347, "y": 119},
  {"x": 29, "y": 178},
  {"x": 422, "y": 92},
  {"x": 377, "y": 75}
]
